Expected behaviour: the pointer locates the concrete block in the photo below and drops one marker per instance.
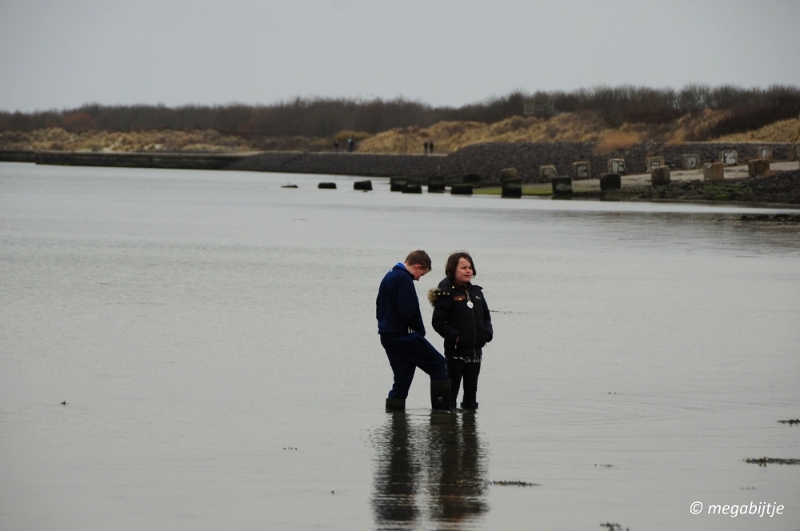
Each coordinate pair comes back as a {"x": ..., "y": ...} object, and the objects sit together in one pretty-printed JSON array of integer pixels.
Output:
[
  {"x": 461, "y": 189},
  {"x": 758, "y": 167},
  {"x": 653, "y": 162},
  {"x": 765, "y": 152},
  {"x": 562, "y": 185},
  {"x": 714, "y": 171},
  {"x": 512, "y": 188},
  {"x": 363, "y": 185},
  {"x": 581, "y": 170},
  {"x": 327, "y": 186},
  {"x": 435, "y": 184},
  {"x": 508, "y": 174},
  {"x": 690, "y": 161},
  {"x": 610, "y": 181},
  {"x": 473, "y": 178},
  {"x": 616, "y": 166},
  {"x": 396, "y": 184},
  {"x": 660, "y": 176},
  {"x": 547, "y": 172},
  {"x": 729, "y": 157},
  {"x": 412, "y": 188}
]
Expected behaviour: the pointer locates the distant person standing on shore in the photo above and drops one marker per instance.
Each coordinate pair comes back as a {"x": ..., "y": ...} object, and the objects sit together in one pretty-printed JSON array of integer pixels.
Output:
[
  {"x": 336, "y": 146},
  {"x": 403, "y": 334},
  {"x": 426, "y": 147},
  {"x": 350, "y": 145},
  {"x": 430, "y": 148},
  {"x": 461, "y": 317}
]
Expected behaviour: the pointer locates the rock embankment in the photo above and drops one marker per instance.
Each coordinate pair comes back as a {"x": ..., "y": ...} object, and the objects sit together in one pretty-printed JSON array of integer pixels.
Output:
[
  {"x": 486, "y": 160},
  {"x": 780, "y": 188}
]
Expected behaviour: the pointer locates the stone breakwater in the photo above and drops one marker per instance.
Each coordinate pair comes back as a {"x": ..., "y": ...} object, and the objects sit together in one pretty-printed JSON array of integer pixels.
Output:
[{"x": 485, "y": 160}]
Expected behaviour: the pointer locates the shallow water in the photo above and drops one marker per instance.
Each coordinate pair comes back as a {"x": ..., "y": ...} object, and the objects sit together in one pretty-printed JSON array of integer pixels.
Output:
[{"x": 214, "y": 338}]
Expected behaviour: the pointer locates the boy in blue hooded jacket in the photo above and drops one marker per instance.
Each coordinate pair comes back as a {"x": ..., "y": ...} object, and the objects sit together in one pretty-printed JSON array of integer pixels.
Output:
[{"x": 403, "y": 334}]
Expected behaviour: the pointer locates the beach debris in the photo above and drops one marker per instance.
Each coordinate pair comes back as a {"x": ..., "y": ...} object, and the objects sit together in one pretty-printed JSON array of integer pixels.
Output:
[
  {"x": 291, "y": 448},
  {"x": 604, "y": 466},
  {"x": 790, "y": 421},
  {"x": 513, "y": 484},
  {"x": 289, "y": 186},
  {"x": 764, "y": 461},
  {"x": 64, "y": 403},
  {"x": 784, "y": 218},
  {"x": 613, "y": 527},
  {"x": 747, "y": 488}
]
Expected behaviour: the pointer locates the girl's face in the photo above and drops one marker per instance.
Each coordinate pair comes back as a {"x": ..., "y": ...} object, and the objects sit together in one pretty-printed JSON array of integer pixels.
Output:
[{"x": 464, "y": 271}]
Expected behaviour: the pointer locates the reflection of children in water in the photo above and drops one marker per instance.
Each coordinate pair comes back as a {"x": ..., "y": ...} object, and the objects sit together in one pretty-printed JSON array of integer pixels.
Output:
[{"x": 442, "y": 457}]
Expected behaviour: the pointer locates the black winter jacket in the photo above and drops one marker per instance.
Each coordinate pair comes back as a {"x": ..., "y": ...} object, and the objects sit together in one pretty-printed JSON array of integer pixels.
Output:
[{"x": 454, "y": 319}]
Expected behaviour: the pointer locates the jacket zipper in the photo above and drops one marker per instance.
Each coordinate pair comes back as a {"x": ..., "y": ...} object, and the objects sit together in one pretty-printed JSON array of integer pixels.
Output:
[{"x": 474, "y": 325}]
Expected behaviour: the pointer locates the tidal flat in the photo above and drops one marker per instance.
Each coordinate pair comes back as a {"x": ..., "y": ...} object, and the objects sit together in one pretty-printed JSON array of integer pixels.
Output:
[{"x": 194, "y": 350}]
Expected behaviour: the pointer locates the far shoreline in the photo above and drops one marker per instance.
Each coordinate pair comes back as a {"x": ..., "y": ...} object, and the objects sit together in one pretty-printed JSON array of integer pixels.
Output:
[{"x": 780, "y": 188}]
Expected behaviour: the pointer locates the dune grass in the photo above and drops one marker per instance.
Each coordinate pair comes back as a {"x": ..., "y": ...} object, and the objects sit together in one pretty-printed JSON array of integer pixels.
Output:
[{"x": 447, "y": 136}]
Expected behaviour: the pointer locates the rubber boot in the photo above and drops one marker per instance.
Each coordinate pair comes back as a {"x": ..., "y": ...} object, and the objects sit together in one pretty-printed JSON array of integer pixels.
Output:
[
  {"x": 440, "y": 395},
  {"x": 472, "y": 405},
  {"x": 395, "y": 404}
]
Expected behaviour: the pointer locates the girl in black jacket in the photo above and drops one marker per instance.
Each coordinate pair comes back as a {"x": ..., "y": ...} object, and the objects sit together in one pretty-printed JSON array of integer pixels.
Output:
[{"x": 461, "y": 317}]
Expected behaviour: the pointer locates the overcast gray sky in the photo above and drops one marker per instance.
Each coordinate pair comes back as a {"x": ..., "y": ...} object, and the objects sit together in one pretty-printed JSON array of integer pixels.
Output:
[{"x": 61, "y": 54}]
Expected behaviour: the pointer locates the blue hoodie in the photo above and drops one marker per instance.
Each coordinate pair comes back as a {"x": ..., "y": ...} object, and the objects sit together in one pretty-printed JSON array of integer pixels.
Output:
[{"x": 397, "y": 305}]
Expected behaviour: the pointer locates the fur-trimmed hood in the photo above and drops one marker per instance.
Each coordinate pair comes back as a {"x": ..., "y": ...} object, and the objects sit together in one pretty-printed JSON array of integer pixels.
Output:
[
  {"x": 434, "y": 294},
  {"x": 445, "y": 288}
]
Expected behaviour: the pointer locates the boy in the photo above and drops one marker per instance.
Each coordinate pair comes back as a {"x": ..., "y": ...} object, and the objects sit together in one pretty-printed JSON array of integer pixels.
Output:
[{"x": 403, "y": 334}]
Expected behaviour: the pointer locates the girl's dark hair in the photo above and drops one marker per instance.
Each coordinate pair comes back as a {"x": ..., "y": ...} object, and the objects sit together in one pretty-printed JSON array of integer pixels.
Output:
[{"x": 452, "y": 264}]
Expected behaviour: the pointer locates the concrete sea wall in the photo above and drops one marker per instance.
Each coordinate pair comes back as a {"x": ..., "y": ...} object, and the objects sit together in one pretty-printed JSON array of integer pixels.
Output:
[
  {"x": 415, "y": 167},
  {"x": 202, "y": 161}
]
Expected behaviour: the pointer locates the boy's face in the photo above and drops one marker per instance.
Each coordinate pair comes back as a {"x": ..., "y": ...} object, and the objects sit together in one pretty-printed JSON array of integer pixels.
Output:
[{"x": 416, "y": 271}]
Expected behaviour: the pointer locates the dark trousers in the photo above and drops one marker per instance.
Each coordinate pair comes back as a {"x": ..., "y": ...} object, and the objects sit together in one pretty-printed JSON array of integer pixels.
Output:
[
  {"x": 458, "y": 370},
  {"x": 405, "y": 354}
]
